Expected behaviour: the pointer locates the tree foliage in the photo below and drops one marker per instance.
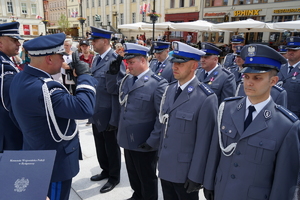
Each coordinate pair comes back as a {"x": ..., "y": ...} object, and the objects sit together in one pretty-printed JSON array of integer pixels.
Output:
[{"x": 63, "y": 23}]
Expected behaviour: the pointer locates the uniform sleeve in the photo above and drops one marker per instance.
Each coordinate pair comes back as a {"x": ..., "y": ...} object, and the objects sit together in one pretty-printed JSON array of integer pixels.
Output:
[
  {"x": 154, "y": 138},
  {"x": 229, "y": 88},
  {"x": 286, "y": 166},
  {"x": 79, "y": 106},
  {"x": 207, "y": 119}
]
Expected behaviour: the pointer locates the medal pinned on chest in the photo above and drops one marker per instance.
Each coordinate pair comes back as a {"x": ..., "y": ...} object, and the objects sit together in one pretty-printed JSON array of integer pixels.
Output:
[
  {"x": 146, "y": 78},
  {"x": 213, "y": 78},
  {"x": 294, "y": 75}
]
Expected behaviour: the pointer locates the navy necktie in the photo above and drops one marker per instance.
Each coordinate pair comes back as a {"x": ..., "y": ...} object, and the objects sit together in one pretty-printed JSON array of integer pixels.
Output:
[
  {"x": 290, "y": 69},
  {"x": 134, "y": 79},
  {"x": 249, "y": 117},
  {"x": 158, "y": 65},
  {"x": 98, "y": 60},
  {"x": 177, "y": 93},
  {"x": 205, "y": 75}
]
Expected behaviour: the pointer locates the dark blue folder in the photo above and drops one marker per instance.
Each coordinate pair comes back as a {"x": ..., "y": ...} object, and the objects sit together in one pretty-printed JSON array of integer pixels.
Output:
[{"x": 25, "y": 174}]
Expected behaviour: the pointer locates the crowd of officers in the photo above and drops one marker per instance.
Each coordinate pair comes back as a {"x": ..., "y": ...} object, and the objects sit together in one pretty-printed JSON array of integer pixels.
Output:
[{"x": 231, "y": 129}]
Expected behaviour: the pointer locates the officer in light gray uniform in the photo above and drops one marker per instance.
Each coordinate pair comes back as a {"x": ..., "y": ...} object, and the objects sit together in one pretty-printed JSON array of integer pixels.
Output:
[
  {"x": 278, "y": 93},
  {"x": 106, "y": 114},
  {"x": 255, "y": 152},
  {"x": 219, "y": 79},
  {"x": 139, "y": 132},
  {"x": 161, "y": 64},
  {"x": 188, "y": 112},
  {"x": 289, "y": 75},
  {"x": 236, "y": 40}
]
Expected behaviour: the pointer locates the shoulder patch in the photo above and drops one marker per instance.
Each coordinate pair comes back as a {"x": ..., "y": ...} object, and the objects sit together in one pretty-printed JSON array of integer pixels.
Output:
[
  {"x": 233, "y": 98},
  {"x": 280, "y": 89},
  {"x": 157, "y": 77},
  {"x": 206, "y": 89},
  {"x": 287, "y": 113},
  {"x": 226, "y": 71}
]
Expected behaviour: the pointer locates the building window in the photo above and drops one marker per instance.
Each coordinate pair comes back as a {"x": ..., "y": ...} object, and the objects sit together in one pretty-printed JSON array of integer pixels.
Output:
[
  {"x": 24, "y": 8},
  {"x": 121, "y": 1},
  {"x": 247, "y": 2},
  {"x": 211, "y": 3},
  {"x": 114, "y": 2},
  {"x": 93, "y": 3},
  {"x": 107, "y": 19},
  {"x": 282, "y": 18},
  {"x": 172, "y": 3},
  {"x": 87, "y": 4},
  {"x": 107, "y": 2},
  {"x": 143, "y": 17},
  {"x": 33, "y": 9},
  {"x": 284, "y": 0},
  {"x": 133, "y": 17},
  {"x": 192, "y": 2},
  {"x": 9, "y": 7},
  {"x": 88, "y": 21},
  {"x": 181, "y": 3},
  {"x": 133, "y": 0},
  {"x": 121, "y": 18}
]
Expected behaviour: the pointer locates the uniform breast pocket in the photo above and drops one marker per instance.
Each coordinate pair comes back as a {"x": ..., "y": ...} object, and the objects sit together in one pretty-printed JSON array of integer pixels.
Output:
[
  {"x": 295, "y": 85},
  {"x": 141, "y": 100},
  {"x": 184, "y": 121},
  {"x": 228, "y": 133},
  {"x": 261, "y": 150}
]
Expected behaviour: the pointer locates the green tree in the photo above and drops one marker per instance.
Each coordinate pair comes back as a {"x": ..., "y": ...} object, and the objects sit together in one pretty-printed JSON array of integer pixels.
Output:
[{"x": 63, "y": 23}]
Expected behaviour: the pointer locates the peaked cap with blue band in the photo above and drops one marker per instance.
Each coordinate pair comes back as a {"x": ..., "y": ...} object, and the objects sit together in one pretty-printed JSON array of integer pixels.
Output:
[
  {"x": 237, "y": 39},
  {"x": 160, "y": 46},
  {"x": 46, "y": 45},
  {"x": 183, "y": 53},
  {"x": 261, "y": 58},
  {"x": 132, "y": 50},
  {"x": 282, "y": 49},
  {"x": 293, "y": 43},
  {"x": 238, "y": 50},
  {"x": 210, "y": 49},
  {"x": 97, "y": 33},
  {"x": 11, "y": 30}
]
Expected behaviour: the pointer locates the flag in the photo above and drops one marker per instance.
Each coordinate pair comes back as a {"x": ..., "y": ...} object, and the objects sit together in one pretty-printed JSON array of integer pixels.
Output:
[
  {"x": 144, "y": 7},
  {"x": 141, "y": 9},
  {"x": 149, "y": 8},
  {"x": 39, "y": 17}
]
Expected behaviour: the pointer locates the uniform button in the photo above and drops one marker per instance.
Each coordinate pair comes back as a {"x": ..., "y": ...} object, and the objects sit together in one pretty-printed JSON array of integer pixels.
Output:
[
  {"x": 124, "y": 118},
  {"x": 266, "y": 196},
  {"x": 165, "y": 146},
  {"x": 261, "y": 143},
  {"x": 235, "y": 164},
  {"x": 183, "y": 117},
  {"x": 232, "y": 176},
  {"x": 238, "y": 153}
]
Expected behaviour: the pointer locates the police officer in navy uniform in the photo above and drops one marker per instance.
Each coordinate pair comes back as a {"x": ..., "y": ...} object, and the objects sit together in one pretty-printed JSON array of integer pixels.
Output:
[
  {"x": 46, "y": 111},
  {"x": 161, "y": 64},
  {"x": 10, "y": 136},
  {"x": 106, "y": 114},
  {"x": 229, "y": 60},
  {"x": 220, "y": 80},
  {"x": 255, "y": 152},
  {"x": 188, "y": 113},
  {"x": 139, "y": 131},
  {"x": 278, "y": 93},
  {"x": 289, "y": 77}
]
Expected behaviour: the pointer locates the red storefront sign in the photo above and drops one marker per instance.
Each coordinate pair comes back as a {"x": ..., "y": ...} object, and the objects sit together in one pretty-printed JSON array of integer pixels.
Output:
[{"x": 26, "y": 29}]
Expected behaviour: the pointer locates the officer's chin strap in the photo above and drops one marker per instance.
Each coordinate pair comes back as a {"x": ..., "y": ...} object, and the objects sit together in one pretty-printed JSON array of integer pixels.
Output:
[
  {"x": 49, "y": 111},
  {"x": 124, "y": 101},
  {"x": 228, "y": 151},
  {"x": 164, "y": 119}
]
